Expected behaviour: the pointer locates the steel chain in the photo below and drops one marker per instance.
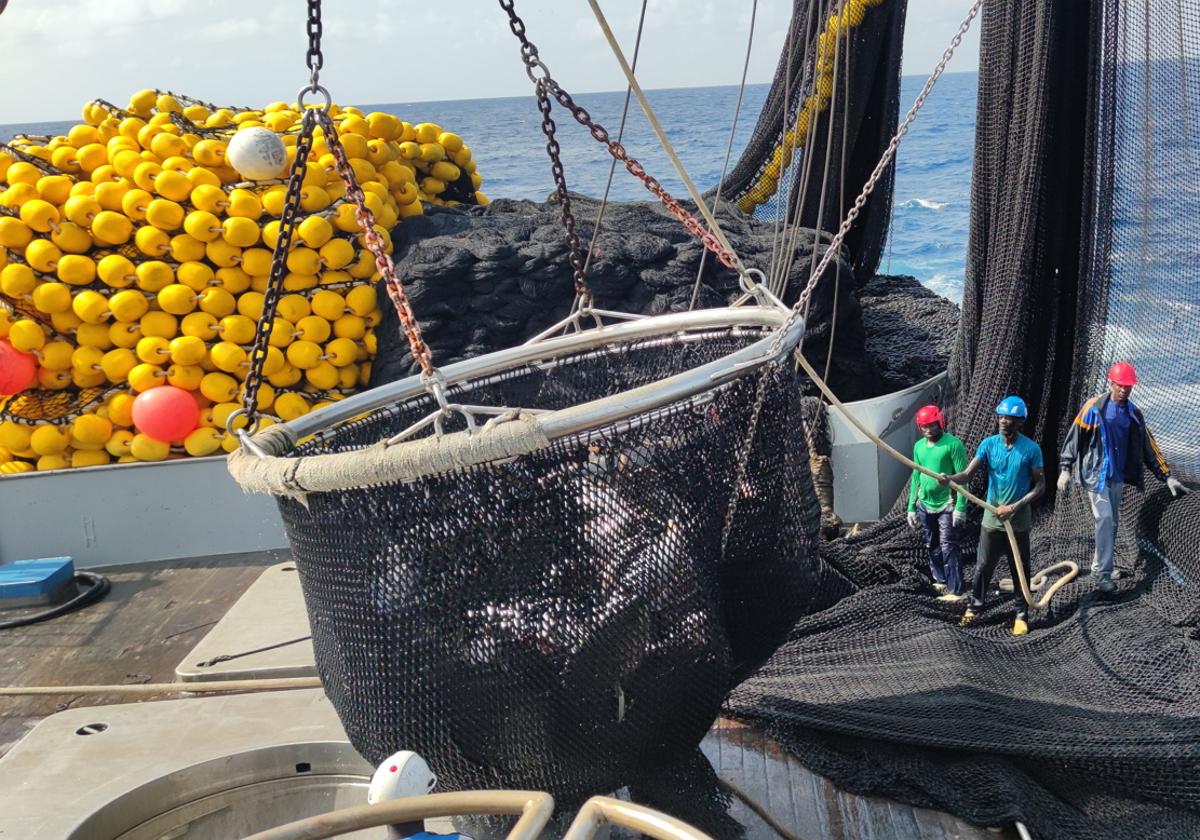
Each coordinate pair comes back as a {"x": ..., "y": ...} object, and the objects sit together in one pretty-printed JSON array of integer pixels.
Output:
[
  {"x": 574, "y": 248},
  {"x": 314, "y": 58},
  {"x": 287, "y": 226},
  {"x": 375, "y": 244},
  {"x": 886, "y": 159},
  {"x": 529, "y": 53}
]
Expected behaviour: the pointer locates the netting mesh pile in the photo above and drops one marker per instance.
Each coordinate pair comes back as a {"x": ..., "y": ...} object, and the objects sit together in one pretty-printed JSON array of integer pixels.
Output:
[
  {"x": 567, "y": 621},
  {"x": 1083, "y": 232}
]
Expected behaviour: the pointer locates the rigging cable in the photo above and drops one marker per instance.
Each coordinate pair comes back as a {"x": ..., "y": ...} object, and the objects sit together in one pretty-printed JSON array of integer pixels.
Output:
[
  {"x": 795, "y": 170},
  {"x": 612, "y": 169},
  {"x": 713, "y": 225},
  {"x": 797, "y": 184},
  {"x": 737, "y": 109},
  {"x": 783, "y": 124},
  {"x": 837, "y": 275},
  {"x": 835, "y": 94}
]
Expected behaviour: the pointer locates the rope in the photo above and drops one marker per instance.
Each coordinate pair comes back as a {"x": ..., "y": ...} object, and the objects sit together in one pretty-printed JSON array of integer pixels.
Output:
[
  {"x": 713, "y": 225},
  {"x": 612, "y": 169},
  {"x": 837, "y": 274},
  {"x": 737, "y": 110},
  {"x": 229, "y": 657},
  {"x": 763, "y": 814},
  {"x": 146, "y": 689},
  {"x": 1071, "y": 570},
  {"x": 834, "y": 94}
]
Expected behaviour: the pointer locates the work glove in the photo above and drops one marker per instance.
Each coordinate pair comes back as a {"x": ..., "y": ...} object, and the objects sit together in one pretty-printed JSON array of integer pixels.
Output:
[
  {"x": 1176, "y": 487},
  {"x": 959, "y": 518},
  {"x": 912, "y": 519},
  {"x": 1064, "y": 481}
]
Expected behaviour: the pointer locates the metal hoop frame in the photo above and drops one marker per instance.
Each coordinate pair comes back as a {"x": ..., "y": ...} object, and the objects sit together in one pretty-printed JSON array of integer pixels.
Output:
[{"x": 597, "y": 413}]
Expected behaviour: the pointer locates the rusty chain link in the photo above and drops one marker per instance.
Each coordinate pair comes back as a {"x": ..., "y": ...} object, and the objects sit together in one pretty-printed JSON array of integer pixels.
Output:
[
  {"x": 314, "y": 116},
  {"x": 375, "y": 244},
  {"x": 540, "y": 75},
  {"x": 283, "y": 244}
]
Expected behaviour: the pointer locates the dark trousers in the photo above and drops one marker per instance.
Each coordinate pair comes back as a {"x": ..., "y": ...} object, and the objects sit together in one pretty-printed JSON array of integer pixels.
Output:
[
  {"x": 992, "y": 545},
  {"x": 945, "y": 563}
]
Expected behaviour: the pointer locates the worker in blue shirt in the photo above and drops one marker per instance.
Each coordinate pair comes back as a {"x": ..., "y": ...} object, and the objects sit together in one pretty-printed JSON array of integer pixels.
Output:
[
  {"x": 1015, "y": 480},
  {"x": 1105, "y": 450}
]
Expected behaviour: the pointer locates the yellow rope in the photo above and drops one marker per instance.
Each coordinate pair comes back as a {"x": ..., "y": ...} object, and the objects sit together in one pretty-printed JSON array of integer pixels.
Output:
[{"x": 1070, "y": 569}]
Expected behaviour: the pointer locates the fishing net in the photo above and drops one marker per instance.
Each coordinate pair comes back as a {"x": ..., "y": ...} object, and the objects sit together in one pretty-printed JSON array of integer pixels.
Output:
[
  {"x": 1081, "y": 234},
  {"x": 569, "y": 620},
  {"x": 830, "y": 113}
]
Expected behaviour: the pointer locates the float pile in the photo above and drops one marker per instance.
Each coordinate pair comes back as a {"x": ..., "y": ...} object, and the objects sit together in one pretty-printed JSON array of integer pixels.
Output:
[{"x": 133, "y": 256}]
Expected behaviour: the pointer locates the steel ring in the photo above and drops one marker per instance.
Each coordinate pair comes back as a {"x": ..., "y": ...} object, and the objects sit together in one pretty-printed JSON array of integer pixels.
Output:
[
  {"x": 537, "y": 62},
  {"x": 250, "y": 428},
  {"x": 749, "y": 287},
  {"x": 314, "y": 88}
]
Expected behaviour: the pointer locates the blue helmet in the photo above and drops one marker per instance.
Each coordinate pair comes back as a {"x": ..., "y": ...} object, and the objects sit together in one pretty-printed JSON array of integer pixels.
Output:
[{"x": 1012, "y": 407}]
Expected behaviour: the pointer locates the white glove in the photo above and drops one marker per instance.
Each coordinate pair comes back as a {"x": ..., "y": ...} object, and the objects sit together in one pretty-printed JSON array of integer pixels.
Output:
[
  {"x": 912, "y": 519},
  {"x": 959, "y": 518},
  {"x": 1064, "y": 481},
  {"x": 1176, "y": 487}
]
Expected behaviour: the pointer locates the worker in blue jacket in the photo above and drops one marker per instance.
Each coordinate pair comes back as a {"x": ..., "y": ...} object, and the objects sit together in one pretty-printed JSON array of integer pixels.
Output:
[{"x": 1105, "y": 449}]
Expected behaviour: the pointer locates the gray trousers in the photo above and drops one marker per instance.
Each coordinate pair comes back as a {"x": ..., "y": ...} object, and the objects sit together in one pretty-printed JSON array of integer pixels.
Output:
[{"x": 1106, "y": 508}]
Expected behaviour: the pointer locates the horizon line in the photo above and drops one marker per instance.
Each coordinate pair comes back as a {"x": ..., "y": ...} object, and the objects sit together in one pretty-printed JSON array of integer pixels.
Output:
[{"x": 509, "y": 96}]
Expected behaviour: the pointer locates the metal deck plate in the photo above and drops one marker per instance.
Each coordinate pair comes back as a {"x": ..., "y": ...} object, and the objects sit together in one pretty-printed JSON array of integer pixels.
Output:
[
  {"x": 175, "y": 766},
  {"x": 271, "y": 612}
]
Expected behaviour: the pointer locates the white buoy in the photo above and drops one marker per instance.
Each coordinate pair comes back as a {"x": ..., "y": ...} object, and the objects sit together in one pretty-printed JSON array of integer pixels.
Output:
[{"x": 257, "y": 154}]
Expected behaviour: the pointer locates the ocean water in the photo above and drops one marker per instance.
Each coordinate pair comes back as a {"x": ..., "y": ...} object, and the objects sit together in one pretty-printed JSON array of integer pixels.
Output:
[{"x": 929, "y": 231}]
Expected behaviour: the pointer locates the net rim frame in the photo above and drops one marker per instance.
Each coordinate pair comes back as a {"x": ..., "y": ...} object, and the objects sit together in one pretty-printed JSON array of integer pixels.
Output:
[{"x": 585, "y": 416}]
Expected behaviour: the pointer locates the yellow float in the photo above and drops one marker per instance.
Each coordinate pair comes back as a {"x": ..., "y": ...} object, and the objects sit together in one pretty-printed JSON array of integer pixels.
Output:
[{"x": 133, "y": 255}]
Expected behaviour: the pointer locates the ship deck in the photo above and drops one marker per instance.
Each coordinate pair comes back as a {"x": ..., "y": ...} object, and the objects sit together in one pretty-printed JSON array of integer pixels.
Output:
[{"x": 157, "y": 612}]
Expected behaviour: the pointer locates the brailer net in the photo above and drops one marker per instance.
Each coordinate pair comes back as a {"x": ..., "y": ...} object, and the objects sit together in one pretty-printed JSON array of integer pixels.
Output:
[
  {"x": 1083, "y": 235},
  {"x": 572, "y": 619}
]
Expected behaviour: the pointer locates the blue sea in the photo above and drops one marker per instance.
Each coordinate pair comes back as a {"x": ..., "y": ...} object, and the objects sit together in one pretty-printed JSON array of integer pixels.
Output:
[{"x": 929, "y": 229}]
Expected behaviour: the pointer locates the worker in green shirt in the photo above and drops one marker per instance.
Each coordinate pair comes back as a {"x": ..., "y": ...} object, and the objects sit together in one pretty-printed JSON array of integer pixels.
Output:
[{"x": 929, "y": 508}]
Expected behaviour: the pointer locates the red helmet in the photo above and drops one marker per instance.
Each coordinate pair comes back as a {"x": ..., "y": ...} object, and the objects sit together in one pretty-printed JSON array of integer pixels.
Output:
[
  {"x": 929, "y": 414},
  {"x": 1122, "y": 373}
]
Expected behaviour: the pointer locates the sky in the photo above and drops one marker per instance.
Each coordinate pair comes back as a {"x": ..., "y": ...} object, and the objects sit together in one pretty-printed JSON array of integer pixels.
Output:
[{"x": 56, "y": 55}]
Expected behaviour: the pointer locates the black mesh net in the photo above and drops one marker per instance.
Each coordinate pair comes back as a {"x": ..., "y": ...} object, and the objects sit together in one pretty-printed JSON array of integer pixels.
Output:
[
  {"x": 1081, "y": 233},
  {"x": 830, "y": 113},
  {"x": 567, "y": 621}
]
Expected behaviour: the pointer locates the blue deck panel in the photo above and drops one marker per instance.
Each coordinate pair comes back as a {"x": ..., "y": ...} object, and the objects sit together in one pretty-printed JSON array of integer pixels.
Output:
[{"x": 34, "y": 579}]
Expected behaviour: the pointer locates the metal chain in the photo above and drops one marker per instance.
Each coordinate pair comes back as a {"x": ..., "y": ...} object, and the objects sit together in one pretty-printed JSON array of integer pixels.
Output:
[
  {"x": 890, "y": 152},
  {"x": 314, "y": 58},
  {"x": 539, "y": 74},
  {"x": 375, "y": 244},
  {"x": 574, "y": 248},
  {"x": 287, "y": 226}
]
